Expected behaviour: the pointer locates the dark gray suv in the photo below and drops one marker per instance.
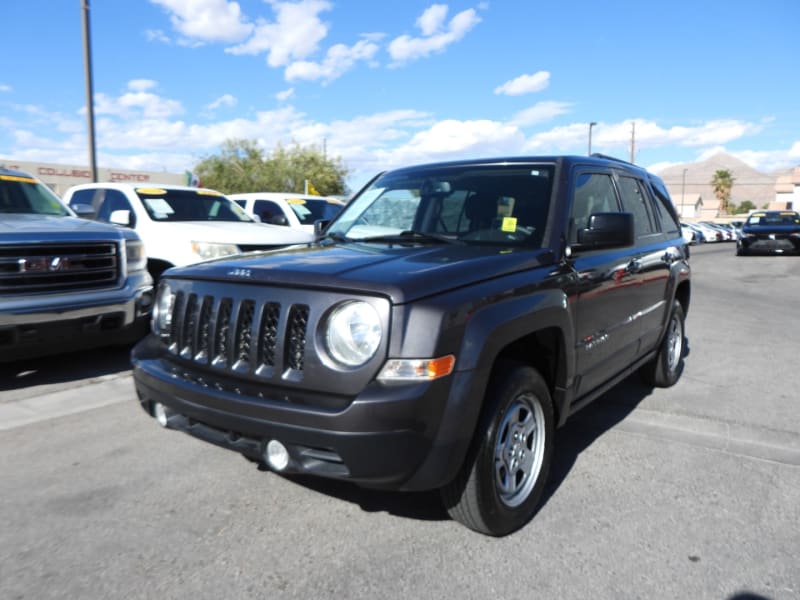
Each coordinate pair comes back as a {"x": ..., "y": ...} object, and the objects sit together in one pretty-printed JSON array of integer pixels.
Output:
[{"x": 440, "y": 329}]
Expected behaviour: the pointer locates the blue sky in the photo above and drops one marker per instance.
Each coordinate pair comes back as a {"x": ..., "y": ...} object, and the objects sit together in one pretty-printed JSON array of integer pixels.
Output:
[{"x": 385, "y": 84}]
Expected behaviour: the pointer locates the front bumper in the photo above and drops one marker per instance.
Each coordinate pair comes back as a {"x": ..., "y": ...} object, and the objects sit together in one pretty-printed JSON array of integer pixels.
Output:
[
  {"x": 401, "y": 437},
  {"x": 33, "y": 326},
  {"x": 770, "y": 245}
]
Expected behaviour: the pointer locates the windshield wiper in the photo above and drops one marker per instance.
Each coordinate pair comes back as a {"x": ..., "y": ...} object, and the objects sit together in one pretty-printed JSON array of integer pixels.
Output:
[{"x": 412, "y": 236}]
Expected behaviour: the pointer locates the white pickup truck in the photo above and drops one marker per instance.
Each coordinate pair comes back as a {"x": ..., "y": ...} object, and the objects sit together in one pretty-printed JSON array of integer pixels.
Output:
[{"x": 179, "y": 225}]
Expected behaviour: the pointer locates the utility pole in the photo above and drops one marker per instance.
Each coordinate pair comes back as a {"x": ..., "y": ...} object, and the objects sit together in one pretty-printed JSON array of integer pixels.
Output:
[
  {"x": 633, "y": 141},
  {"x": 87, "y": 73},
  {"x": 592, "y": 124},
  {"x": 683, "y": 191}
]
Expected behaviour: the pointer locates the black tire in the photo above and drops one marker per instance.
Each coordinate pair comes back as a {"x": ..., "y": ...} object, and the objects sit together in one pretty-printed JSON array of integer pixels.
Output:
[
  {"x": 500, "y": 485},
  {"x": 666, "y": 368}
]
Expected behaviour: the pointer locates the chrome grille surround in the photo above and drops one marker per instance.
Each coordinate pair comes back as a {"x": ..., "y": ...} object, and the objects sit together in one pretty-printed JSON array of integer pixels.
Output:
[
  {"x": 58, "y": 267},
  {"x": 260, "y": 333}
]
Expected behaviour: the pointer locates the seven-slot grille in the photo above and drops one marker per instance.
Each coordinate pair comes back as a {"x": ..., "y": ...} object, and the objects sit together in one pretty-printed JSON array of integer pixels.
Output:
[
  {"x": 32, "y": 268},
  {"x": 239, "y": 335}
]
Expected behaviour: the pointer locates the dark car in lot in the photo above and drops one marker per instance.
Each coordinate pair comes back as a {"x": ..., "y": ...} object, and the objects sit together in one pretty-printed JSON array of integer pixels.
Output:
[
  {"x": 770, "y": 232},
  {"x": 435, "y": 335}
]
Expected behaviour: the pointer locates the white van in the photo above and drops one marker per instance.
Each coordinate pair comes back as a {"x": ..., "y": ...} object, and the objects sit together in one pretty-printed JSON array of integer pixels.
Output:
[{"x": 179, "y": 225}]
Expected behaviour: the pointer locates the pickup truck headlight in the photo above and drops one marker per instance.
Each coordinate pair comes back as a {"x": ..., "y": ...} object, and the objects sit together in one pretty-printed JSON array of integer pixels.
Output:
[
  {"x": 135, "y": 256},
  {"x": 353, "y": 333},
  {"x": 162, "y": 310},
  {"x": 208, "y": 250}
]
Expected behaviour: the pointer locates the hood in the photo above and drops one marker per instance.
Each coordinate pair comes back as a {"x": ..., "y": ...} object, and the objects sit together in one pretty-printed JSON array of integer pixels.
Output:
[
  {"x": 233, "y": 232},
  {"x": 35, "y": 227},
  {"x": 403, "y": 273}
]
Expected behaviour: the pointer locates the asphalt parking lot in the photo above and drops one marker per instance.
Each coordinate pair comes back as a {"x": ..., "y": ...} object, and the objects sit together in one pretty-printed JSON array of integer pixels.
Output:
[{"x": 688, "y": 492}]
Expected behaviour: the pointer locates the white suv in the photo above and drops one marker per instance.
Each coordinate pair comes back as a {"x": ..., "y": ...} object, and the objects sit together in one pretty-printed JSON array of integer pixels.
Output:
[
  {"x": 179, "y": 225},
  {"x": 298, "y": 211}
]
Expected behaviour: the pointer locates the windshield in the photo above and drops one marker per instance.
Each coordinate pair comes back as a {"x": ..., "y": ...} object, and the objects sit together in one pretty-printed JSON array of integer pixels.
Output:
[
  {"x": 482, "y": 204},
  {"x": 189, "y": 205},
  {"x": 309, "y": 210},
  {"x": 20, "y": 194},
  {"x": 774, "y": 218}
]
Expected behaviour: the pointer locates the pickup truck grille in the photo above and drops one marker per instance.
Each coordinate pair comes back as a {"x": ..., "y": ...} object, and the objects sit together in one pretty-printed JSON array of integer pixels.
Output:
[
  {"x": 244, "y": 336},
  {"x": 32, "y": 268}
]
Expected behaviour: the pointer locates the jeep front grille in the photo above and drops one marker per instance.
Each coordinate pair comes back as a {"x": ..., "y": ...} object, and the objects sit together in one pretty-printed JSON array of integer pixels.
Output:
[
  {"x": 244, "y": 336},
  {"x": 33, "y": 268}
]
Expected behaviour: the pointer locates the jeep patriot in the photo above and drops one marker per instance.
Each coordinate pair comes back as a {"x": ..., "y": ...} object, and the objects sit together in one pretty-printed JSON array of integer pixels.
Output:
[{"x": 435, "y": 334}]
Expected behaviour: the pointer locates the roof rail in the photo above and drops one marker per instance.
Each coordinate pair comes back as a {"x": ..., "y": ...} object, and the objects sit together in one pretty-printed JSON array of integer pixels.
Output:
[{"x": 607, "y": 157}]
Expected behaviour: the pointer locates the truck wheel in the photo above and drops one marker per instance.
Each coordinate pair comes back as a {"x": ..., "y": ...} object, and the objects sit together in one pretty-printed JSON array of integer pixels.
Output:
[
  {"x": 500, "y": 485},
  {"x": 666, "y": 368}
]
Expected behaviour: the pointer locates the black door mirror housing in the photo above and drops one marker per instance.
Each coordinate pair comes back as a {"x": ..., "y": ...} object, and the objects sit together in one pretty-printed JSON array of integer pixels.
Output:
[{"x": 607, "y": 230}]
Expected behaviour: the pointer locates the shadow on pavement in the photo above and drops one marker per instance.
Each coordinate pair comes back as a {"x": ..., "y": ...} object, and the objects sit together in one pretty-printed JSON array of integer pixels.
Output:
[
  {"x": 588, "y": 424},
  {"x": 582, "y": 429},
  {"x": 64, "y": 368}
]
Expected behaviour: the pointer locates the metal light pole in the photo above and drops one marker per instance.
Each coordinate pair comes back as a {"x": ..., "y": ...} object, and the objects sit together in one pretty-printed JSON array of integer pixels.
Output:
[
  {"x": 87, "y": 73},
  {"x": 683, "y": 191},
  {"x": 592, "y": 124}
]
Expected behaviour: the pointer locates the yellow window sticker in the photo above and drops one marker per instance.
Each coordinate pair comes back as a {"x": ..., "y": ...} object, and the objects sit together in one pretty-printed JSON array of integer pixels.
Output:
[
  {"x": 151, "y": 191},
  {"x": 509, "y": 224},
  {"x": 15, "y": 178},
  {"x": 206, "y": 192},
  {"x": 295, "y": 201}
]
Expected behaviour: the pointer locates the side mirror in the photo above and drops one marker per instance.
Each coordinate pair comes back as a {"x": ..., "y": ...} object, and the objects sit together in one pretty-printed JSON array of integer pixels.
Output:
[
  {"x": 278, "y": 220},
  {"x": 84, "y": 211},
  {"x": 120, "y": 217},
  {"x": 319, "y": 227},
  {"x": 607, "y": 230}
]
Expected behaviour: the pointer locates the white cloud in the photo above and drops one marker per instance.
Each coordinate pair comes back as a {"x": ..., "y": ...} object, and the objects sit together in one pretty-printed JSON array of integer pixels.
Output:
[
  {"x": 525, "y": 84},
  {"x": 435, "y": 36},
  {"x": 157, "y": 35},
  {"x": 137, "y": 103},
  {"x": 207, "y": 20},
  {"x": 226, "y": 100},
  {"x": 5, "y": 88},
  {"x": 338, "y": 60},
  {"x": 615, "y": 138},
  {"x": 141, "y": 85},
  {"x": 285, "y": 94},
  {"x": 295, "y": 34},
  {"x": 540, "y": 112},
  {"x": 432, "y": 18}
]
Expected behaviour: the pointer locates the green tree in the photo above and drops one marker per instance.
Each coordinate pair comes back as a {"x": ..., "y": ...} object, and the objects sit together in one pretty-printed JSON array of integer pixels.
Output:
[
  {"x": 241, "y": 166},
  {"x": 722, "y": 183},
  {"x": 744, "y": 207}
]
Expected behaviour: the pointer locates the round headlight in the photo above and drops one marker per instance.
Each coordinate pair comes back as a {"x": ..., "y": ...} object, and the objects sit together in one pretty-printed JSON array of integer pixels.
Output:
[
  {"x": 162, "y": 310},
  {"x": 353, "y": 333}
]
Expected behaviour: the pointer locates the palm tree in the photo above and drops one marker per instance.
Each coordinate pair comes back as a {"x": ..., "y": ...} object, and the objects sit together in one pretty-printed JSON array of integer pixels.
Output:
[{"x": 722, "y": 182}]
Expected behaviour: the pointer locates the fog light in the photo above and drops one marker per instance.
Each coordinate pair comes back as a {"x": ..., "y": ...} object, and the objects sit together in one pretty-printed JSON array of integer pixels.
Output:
[
  {"x": 161, "y": 414},
  {"x": 276, "y": 455}
]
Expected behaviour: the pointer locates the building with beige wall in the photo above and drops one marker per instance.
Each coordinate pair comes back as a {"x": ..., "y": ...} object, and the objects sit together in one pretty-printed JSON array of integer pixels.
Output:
[
  {"x": 60, "y": 177},
  {"x": 787, "y": 190}
]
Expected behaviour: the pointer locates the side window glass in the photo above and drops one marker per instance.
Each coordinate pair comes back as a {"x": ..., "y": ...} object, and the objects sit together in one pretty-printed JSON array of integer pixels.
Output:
[
  {"x": 635, "y": 201},
  {"x": 114, "y": 200},
  {"x": 594, "y": 193},
  {"x": 85, "y": 197},
  {"x": 668, "y": 223},
  {"x": 266, "y": 209},
  {"x": 81, "y": 197}
]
